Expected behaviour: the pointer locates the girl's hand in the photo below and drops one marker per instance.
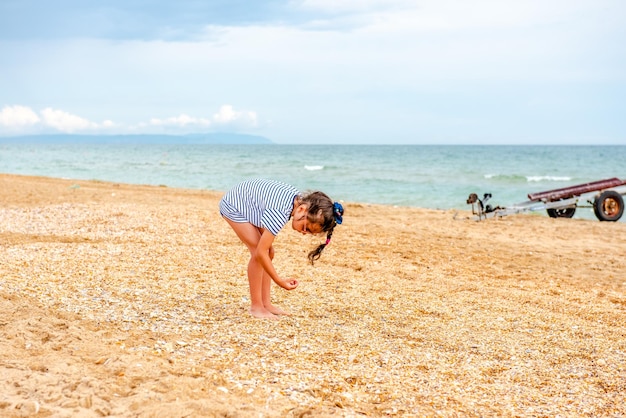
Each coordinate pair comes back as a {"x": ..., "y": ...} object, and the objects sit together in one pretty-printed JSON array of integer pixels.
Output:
[{"x": 288, "y": 284}]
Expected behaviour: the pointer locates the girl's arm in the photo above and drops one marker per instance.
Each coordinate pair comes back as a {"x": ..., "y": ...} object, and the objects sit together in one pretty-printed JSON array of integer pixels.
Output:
[{"x": 262, "y": 254}]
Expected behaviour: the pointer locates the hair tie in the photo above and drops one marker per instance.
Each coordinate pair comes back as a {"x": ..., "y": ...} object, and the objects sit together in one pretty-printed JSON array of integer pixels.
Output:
[
  {"x": 338, "y": 212},
  {"x": 327, "y": 241}
]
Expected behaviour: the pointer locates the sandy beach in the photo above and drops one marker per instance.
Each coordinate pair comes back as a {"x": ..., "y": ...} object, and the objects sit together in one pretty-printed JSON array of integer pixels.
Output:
[{"x": 132, "y": 301}]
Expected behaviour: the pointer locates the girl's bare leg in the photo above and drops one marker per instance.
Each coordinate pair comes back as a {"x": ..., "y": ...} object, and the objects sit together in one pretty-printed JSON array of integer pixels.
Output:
[
  {"x": 256, "y": 280},
  {"x": 260, "y": 282},
  {"x": 267, "y": 300}
]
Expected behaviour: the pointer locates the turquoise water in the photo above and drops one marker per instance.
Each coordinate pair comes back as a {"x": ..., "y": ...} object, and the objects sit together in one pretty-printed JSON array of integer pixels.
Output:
[{"x": 428, "y": 176}]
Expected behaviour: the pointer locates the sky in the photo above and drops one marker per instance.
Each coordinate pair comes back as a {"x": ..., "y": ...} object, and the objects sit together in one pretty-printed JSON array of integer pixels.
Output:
[{"x": 318, "y": 71}]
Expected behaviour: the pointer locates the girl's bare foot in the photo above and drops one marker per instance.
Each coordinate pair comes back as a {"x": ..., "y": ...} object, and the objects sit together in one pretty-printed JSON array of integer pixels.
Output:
[
  {"x": 276, "y": 310},
  {"x": 262, "y": 313}
]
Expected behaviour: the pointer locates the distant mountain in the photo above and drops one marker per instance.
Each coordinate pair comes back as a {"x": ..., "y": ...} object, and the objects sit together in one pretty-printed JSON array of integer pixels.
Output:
[{"x": 209, "y": 138}]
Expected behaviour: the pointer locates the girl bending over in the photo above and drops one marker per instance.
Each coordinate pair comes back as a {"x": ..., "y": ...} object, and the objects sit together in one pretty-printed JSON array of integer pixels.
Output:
[{"x": 257, "y": 210}]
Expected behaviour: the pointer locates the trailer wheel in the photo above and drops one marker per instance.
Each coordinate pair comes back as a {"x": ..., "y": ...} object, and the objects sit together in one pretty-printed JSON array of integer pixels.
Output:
[
  {"x": 609, "y": 206},
  {"x": 561, "y": 213}
]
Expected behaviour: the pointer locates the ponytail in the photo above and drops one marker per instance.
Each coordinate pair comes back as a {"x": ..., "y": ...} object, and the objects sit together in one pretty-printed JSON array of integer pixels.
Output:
[{"x": 317, "y": 253}]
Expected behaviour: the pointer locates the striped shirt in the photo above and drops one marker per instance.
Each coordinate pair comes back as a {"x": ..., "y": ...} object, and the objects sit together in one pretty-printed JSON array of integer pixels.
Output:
[{"x": 264, "y": 203}]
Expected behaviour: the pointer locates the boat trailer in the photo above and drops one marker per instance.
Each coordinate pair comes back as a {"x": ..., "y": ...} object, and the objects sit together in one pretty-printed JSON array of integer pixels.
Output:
[{"x": 606, "y": 197}]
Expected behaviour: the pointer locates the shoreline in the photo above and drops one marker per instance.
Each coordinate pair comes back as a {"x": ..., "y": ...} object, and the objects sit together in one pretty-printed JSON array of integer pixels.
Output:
[{"x": 131, "y": 300}]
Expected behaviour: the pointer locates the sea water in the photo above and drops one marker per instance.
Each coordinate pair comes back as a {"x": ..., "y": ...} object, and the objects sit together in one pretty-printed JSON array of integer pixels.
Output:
[{"x": 427, "y": 176}]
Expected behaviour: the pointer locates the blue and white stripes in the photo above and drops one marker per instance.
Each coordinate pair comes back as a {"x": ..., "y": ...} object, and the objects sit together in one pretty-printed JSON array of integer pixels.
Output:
[{"x": 264, "y": 203}]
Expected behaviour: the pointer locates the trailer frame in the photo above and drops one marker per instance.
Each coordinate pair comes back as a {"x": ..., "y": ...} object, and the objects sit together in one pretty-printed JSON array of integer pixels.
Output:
[{"x": 606, "y": 197}]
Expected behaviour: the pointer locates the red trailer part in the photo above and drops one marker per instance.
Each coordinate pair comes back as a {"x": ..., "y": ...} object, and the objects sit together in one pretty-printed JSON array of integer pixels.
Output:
[{"x": 565, "y": 192}]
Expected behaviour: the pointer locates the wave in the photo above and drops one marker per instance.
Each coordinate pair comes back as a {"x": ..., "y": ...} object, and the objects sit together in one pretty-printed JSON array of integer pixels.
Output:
[
  {"x": 313, "y": 167},
  {"x": 505, "y": 177},
  {"x": 548, "y": 178},
  {"x": 526, "y": 179}
]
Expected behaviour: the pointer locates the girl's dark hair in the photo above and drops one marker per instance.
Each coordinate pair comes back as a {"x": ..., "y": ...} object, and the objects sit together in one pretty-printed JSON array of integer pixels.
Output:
[{"x": 324, "y": 212}]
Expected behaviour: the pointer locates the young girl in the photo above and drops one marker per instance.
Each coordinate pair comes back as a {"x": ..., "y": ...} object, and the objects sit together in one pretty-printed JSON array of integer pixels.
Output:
[{"x": 257, "y": 210}]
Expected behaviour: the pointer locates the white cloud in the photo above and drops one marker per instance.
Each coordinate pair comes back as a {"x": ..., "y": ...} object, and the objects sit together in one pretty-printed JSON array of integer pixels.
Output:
[
  {"x": 18, "y": 116},
  {"x": 65, "y": 122},
  {"x": 181, "y": 121},
  {"x": 452, "y": 15},
  {"x": 353, "y": 6},
  {"x": 227, "y": 115},
  {"x": 226, "y": 118},
  {"x": 23, "y": 120}
]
